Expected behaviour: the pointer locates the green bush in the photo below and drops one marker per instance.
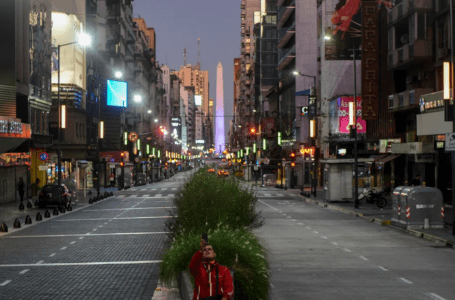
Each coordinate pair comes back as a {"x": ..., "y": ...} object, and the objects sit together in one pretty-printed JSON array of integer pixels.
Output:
[
  {"x": 207, "y": 200},
  {"x": 238, "y": 249}
]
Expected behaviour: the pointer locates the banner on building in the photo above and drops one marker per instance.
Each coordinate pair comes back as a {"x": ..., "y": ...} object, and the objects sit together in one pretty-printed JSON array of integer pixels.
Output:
[
  {"x": 370, "y": 66},
  {"x": 343, "y": 115}
]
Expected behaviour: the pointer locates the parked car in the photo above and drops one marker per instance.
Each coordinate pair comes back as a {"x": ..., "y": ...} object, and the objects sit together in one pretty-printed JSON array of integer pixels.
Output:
[{"x": 49, "y": 195}]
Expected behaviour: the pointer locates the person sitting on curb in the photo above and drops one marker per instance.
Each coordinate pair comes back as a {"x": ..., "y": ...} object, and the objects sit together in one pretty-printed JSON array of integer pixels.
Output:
[{"x": 212, "y": 281}]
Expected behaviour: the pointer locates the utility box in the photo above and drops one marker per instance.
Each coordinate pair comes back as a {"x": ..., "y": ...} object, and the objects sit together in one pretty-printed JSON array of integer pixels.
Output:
[
  {"x": 396, "y": 205},
  {"x": 419, "y": 203}
]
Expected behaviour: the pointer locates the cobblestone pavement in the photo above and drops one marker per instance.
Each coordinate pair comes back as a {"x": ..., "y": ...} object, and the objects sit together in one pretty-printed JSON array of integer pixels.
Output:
[{"x": 110, "y": 249}]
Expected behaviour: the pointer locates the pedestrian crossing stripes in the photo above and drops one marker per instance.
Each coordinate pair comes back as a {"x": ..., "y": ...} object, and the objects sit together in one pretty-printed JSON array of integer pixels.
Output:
[{"x": 265, "y": 195}]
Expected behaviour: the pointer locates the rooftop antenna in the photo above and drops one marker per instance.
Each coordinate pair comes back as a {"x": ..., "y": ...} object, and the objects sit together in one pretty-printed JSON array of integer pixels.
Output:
[
  {"x": 198, "y": 53},
  {"x": 184, "y": 56}
]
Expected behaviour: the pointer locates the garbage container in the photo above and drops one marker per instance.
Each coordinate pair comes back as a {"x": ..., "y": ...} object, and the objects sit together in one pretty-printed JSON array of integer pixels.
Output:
[
  {"x": 140, "y": 179},
  {"x": 424, "y": 203},
  {"x": 396, "y": 205},
  {"x": 403, "y": 205}
]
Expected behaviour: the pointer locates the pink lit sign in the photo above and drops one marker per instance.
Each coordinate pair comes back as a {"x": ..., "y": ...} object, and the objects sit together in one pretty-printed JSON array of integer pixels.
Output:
[{"x": 343, "y": 114}]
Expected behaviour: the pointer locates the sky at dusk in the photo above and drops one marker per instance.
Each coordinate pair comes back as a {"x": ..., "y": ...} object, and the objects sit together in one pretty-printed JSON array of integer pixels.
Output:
[{"x": 179, "y": 23}]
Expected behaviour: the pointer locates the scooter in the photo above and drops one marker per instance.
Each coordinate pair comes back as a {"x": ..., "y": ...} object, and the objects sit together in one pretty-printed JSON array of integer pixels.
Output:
[{"x": 374, "y": 196}]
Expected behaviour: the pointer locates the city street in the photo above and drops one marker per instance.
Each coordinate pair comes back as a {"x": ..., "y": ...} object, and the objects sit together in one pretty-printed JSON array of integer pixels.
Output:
[
  {"x": 319, "y": 253},
  {"x": 107, "y": 250}
]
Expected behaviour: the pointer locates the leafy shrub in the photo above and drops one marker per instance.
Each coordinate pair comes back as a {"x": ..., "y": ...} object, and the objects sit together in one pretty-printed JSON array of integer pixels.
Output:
[
  {"x": 207, "y": 200},
  {"x": 238, "y": 249}
]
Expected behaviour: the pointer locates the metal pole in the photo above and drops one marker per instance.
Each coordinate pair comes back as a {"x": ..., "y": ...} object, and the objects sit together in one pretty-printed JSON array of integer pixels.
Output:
[
  {"x": 314, "y": 158},
  {"x": 281, "y": 147},
  {"x": 356, "y": 183},
  {"x": 453, "y": 100},
  {"x": 99, "y": 141},
  {"x": 59, "y": 163}
]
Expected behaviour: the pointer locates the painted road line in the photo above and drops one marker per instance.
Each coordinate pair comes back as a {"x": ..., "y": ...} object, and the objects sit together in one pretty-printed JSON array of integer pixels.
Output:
[
  {"x": 383, "y": 269},
  {"x": 315, "y": 232},
  {"x": 174, "y": 189},
  {"x": 268, "y": 205},
  {"x": 72, "y": 243},
  {"x": 63, "y": 248},
  {"x": 130, "y": 208},
  {"x": 309, "y": 228},
  {"x": 94, "y": 229},
  {"x": 294, "y": 220},
  {"x": 131, "y": 218},
  {"x": 53, "y": 254},
  {"x": 24, "y": 271},
  {"x": 171, "y": 195},
  {"x": 405, "y": 280},
  {"x": 158, "y": 195},
  {"x": 288, "y": 217},
  {"x": 435, "y": 296},
  {"x": 5, "y": 282},
  {"x": 81, "y": 238},
  {"x": 100, "y": 226},
  {"x": 40, "y": 262},
  {"x": 334, "y": 243},
  {"x": 323, "y": 237},
  {"x": 300, "y": 224},
  {"x": 280, "y": 195},
  {"x": 143, "y": 189},
  {"x": 84, "y": 264},
  {"x": 347, "y": 250},
  {"x": 363, "y": 257}
]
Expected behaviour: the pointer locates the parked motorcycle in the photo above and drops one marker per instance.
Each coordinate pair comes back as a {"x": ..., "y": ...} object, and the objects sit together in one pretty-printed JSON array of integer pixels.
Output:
[{"x": 374, "y": 196}]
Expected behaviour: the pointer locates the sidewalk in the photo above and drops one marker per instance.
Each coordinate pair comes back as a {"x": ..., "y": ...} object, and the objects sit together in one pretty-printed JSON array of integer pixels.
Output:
[{"x": 374, "y": 214}]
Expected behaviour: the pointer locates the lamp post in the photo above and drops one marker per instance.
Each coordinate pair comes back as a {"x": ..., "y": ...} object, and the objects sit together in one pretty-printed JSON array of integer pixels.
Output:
[
  {"x": 312, "y": 129},
  {"x": 452, "y": 31},
  {"x": 84, "y": 40}
]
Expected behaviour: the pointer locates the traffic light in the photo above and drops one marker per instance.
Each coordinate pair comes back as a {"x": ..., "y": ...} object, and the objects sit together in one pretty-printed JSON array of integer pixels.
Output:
[
  {"x": 165, "y": 166},
  {"x": 253, "y": 131},
  {"x": 293, "y": 164},
  {"x": 292, "y": 155},
  {"x": 122, "y": 164}
]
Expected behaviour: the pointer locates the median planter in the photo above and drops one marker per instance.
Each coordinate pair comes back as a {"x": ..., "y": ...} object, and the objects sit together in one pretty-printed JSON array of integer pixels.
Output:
[{"x": 226, "y": 211}]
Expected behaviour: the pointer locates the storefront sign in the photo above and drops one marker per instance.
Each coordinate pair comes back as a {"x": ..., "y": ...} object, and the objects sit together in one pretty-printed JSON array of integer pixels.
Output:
[
  {"x": 450, "y": 141},
  {"x": 304, "y": 111},
  {"x": 370, "y": 66},
  {"x": 12, "y": 127},
  {"x": 343, "y": 115},
  {"x": 307, "y": 151}
]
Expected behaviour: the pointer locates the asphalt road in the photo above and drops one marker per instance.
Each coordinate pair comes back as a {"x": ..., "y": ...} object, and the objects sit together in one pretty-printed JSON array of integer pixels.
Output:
[
  {"x": 107, "y": 250},
  {"x": 317, "y": 253}
]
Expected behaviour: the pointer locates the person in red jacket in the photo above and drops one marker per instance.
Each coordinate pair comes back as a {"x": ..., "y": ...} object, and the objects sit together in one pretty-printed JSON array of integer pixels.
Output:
[{"x": 205, "y": 271}]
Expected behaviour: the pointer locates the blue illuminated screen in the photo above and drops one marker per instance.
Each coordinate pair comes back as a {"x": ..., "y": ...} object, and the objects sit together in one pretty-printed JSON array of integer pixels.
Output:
[{"x": 117, "y": 93}]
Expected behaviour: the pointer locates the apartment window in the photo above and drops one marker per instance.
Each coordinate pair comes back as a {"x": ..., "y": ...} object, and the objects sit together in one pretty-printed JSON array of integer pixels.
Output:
[
  {"x": 443, "y": 33},
  {"x": 411, "y": 98},
  {"x": 421, "y": 26},
  {"x": 77, "y": 129},
  {"x": 391, "y": 101},
  {"x": 400, "y": 100}
]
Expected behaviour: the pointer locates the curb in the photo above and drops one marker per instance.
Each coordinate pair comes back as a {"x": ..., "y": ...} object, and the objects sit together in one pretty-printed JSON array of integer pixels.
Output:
[{"x": 447, "y": 243}]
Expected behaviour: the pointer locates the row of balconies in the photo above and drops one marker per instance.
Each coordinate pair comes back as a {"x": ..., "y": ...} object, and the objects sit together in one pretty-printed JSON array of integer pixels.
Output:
[
  {"x": 401, "y": 10},
  {"x": 284, "y": 12},
  {"x": 407, "y": 99},
  {"x": 286, "y": 56},
  {"x": 420, "y": 49},
  {"x": 285, "y": 34}
]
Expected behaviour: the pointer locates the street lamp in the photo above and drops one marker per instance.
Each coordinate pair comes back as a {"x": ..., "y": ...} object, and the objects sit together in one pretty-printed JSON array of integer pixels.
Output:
[
  {"x": 312, "y": 126},
  {"x": 83, "y": 40},
  {"x": 137, "y": 98},
  {"x": 118, "y": 74}
]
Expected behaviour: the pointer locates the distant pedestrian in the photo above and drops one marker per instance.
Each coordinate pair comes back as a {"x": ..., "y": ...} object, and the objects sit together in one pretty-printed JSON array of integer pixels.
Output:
[
  {"x": 112, "y": 179},
  {"x": 212, "y": 281},
  {"x": 21, "y": 188},
  {"x": 416, "y": 181}
]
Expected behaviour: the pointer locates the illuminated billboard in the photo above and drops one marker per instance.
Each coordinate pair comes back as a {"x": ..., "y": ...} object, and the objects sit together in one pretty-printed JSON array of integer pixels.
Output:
[
  {"x": 343, "y": 114},
  {"x": 117, "y": 93},
  {"x": 198, "y": 100},
  {"x": 65, "y": 30}
]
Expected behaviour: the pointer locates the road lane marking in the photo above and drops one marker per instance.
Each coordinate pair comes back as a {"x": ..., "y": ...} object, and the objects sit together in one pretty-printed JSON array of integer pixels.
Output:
[
  {"x": 347, "y": 250},
  {"x": 72, "y": 243},
  {"x": 174, "y": 189},
  {"x": 294, "y": 220},
  {"x": 84, "y": 264},
  {"x": 280, "y": 195},
  {"x": 130, "y": 218},
  {"x": 81, "y": 237},
  {"x": 100, "y": 226},
  {"x": 164, "y": 189},
  {"x": 288, "y": 217},
  {"x": 300, "y": 224},
  {"x": 309, "y": 228},
  {"x": 405, "y": 280},
  {"x": 268, "y": 205},
  {"x": 94, "y": 229},
  {"x": 5, "y": 282},
  {"x": 40, "y": 262},
  {"x": 53, "y": 254},
  {"x": 24, "y": 271},
  {"x": 336, "y": 244},
  {"x": 63, "y": 248},
  {"x": 382, "y": 268},
  {"x": 363, "y": 257},
  {"x": 131, "y": 208},
  {"x": 323, "y": 237},
  {"x": 315, "y": 232},
  {"x": 158, "y": 195},
  {"x": 435, "y": 296}
]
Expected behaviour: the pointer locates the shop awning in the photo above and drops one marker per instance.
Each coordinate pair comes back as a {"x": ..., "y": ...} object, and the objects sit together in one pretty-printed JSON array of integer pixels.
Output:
[
  {"x": 377, "y": 158},
  {"x": 303, "y": 93},
  {"x": 387, "y": 159}
]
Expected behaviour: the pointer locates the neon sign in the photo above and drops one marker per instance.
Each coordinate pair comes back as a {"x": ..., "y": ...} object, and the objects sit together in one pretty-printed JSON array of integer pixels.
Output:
[{"x": 307, "y": 151}]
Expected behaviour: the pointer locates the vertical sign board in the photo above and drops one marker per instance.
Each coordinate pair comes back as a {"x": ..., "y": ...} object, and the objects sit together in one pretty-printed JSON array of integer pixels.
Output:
[{"x": 370, "y": 65}]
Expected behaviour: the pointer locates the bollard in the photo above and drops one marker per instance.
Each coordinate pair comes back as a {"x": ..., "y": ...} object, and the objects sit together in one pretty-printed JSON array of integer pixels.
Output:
[
  {"x": 29, "y": 204},
  {"x": 21, "y": 206},
  {"x": 426, "y": 223},
  {"x": 70, "y": 208},
  {"x": 55, "y": 213},
  {"x": 36, "y": 203},
  {"x": 17, "y": 223},
  {"x": 39, "y": 217},
  {"x": 62, "y": 209},
  {"x": 90, "y": 201},
  {"x": 90, "y": 193},
  {"x": 3, "y": 227},
  {"x": 47, "y": 214},
  {"x": 112, "y": 194},
  {"x": 28, "y": 220}
]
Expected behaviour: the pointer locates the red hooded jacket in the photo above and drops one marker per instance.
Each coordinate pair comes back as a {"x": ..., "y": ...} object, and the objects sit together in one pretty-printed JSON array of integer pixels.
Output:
[{"x": 205, "y": 286}]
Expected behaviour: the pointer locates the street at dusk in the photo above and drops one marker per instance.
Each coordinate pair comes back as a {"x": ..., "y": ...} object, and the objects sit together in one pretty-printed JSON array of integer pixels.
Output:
[{"x": 218, "y": 150}]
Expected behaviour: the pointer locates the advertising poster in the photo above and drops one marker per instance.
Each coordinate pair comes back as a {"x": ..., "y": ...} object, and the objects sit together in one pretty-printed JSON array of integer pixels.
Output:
[
  {"x": 343, "y": 29},
  {"x": 343, "y": 114}
]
